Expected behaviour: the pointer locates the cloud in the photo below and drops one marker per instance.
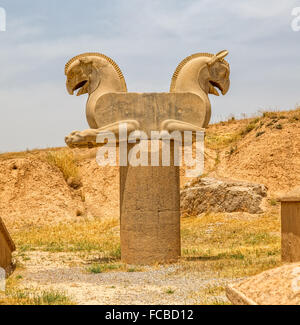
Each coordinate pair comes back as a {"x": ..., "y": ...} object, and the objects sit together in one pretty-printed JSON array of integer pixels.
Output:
[
  {"x": 262, "y": 9},
  {"x": 147, "y": 39}
]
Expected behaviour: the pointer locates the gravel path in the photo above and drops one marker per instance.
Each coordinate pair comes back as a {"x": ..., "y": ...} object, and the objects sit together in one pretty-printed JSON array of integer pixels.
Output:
[{"x": 67, "y": 272}]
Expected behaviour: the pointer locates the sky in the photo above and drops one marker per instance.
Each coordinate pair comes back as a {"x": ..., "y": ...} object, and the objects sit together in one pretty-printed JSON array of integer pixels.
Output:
[{"x": 147, "y": 39}]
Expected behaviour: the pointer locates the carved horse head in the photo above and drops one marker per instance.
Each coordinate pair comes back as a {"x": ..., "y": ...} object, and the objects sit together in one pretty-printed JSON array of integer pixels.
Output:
[
  {"x": 202, "y": 71},
  {"x": 89, "y": 72},
  {"x": 201, "y": 74}
]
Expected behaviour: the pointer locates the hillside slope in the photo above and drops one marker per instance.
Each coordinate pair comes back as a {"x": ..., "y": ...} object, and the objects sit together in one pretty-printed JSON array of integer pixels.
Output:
[{"x": 264, "y": 150}]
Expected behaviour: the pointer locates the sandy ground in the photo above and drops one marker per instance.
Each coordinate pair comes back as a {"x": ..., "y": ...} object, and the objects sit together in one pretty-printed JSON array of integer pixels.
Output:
[{"x": 68, "y": 273}]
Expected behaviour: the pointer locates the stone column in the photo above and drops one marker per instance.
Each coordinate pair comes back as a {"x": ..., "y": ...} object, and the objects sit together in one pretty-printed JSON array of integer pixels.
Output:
[
  {"x": 150, "y": 213},
  {"x": 290, "y": 228}
]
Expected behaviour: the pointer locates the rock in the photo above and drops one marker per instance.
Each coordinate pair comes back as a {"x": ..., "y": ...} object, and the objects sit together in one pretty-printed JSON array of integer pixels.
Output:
[
  {"x": 210, "y": 194},
  {"x": 279, "y": 286}
]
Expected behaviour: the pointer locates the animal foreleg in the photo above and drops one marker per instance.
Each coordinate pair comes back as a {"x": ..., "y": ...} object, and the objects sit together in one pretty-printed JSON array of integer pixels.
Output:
[
  {"x": 175, "y": 125},
  {"x": 88, "y": 138}
]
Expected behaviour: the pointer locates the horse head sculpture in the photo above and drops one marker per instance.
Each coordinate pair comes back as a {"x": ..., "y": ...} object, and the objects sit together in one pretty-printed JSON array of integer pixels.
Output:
[
  {"x": 94, "y": 74},
  {"x": 202, "y": 73}
]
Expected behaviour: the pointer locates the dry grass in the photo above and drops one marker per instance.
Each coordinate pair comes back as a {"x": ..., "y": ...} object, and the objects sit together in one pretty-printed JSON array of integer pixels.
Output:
[
  {"x": 222, "y": 135},
  {"x": 220, "y": 141},
  {"x": 231, "y": 246},
  {"x": 15, "y": 296},
  {"x": 61, "y": 158},
  {"x": 225, "y": 246},
  {"x": 64, "y": 160},
  {"x": 27, "y": 297},
  {"x": 28, "y": 153},
  {"x": 211, "y": 295},
  {"x": 218, "y": 137},
  {"x": 101, "y": 236},
  {"x": 249, "y": 127}
]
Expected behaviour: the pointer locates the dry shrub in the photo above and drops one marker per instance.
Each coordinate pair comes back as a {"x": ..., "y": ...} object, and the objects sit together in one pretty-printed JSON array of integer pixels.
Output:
[
  {"x": 220, "y": 141},
  {"x": 249, "y": 127},
  {"x": 65, "y": 162}
]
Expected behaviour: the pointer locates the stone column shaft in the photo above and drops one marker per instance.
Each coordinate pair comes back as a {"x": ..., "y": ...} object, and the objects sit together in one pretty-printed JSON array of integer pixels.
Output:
[
  {"x": 150, "y": 213},
  {"x": 290, "y": 230}
]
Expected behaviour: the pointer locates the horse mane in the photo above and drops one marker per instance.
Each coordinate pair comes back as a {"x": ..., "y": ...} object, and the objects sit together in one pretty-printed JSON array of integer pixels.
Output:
[
  {"x": 184, "y": 62},
  {"x": 103, "y": 56}
]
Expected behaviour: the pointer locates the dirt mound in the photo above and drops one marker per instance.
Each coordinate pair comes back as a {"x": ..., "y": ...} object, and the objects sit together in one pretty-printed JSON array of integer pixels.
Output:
[
  {"x": 33, "y": 192},
  {"x": 279, "y": 286},
  {"x": 100, "y": 185},
  {"x": 263, "y": 150},
  {"x": 213, "y": 195}
]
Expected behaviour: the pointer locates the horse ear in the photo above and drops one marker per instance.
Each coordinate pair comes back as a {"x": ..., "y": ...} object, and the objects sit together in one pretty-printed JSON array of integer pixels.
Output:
[{"x": 219, "y": 56}]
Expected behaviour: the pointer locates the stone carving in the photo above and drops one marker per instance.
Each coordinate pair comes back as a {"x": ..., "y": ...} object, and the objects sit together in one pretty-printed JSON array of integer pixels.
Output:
[
  {"x": 185, "y": 108},
  {"x": 201, "y": 74},
  {"x": 290, "y": 226},
  {"x": 149, "y": 195},
  {"x": 94, "y": 74}
]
